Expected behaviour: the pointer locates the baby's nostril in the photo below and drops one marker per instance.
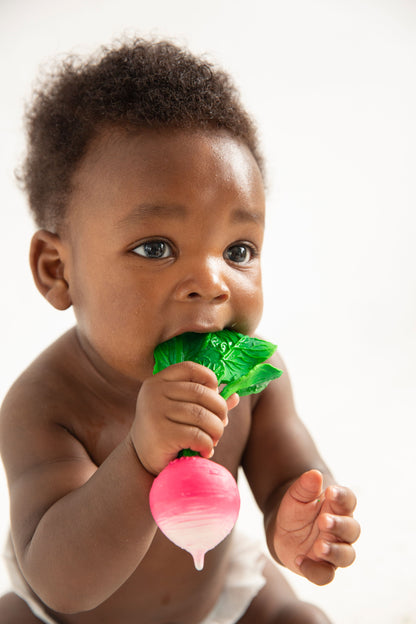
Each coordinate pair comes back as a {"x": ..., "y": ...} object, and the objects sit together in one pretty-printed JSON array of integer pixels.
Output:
[
  {"x": 221, "y": 298},
  {"x": 192, "y": 295}
]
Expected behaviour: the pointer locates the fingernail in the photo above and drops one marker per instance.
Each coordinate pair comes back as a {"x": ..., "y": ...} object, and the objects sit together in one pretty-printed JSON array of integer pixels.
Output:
[
  {"x": 211, "y": 454},
  {"x": 336, "y": 492},
  {"x": 326, "y": 548},
  {"x": 329, "y": 522},
  {"x": 299, "y": 561}
]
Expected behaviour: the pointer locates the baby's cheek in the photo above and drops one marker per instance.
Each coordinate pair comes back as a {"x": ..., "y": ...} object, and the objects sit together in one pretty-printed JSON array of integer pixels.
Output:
[{"x": 253, "y": 306}]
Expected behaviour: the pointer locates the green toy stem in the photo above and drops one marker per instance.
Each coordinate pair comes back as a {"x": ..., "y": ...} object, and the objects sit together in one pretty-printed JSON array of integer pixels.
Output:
[{"x": 188, "y": 453}]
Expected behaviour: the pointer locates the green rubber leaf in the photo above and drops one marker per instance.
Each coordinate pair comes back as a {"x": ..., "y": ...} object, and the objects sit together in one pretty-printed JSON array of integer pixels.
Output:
[
  {"x": 181, "y": 348},
  {"x": 255, "y": 381},
  {"x": 236, "y": 359}
]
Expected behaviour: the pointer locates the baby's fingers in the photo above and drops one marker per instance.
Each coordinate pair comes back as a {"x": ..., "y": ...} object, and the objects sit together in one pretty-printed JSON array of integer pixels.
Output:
[
  {"x": 337, "y": 554},
  {"x": 198, "y": 440},
  {"x": 343, "y": 528},
  {"x": 318, "y": 572},
  {"x": 341, "y": 499},
  {"x": 198, "y": 425}
]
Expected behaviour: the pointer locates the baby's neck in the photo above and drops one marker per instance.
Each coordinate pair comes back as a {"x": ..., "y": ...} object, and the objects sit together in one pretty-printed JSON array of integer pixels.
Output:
[{"x": 105, "y": 380}]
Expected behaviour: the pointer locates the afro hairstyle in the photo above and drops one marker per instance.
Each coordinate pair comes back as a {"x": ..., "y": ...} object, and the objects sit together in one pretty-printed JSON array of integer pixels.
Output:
[{"x": 136, "y": 84}]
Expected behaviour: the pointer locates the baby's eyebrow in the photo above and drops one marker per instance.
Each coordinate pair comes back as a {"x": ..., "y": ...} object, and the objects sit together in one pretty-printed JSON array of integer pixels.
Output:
[
  {"x": 142, "y": 212},
  {"x": 243, "y": 215},
  {"x": 160, "y": 211}
]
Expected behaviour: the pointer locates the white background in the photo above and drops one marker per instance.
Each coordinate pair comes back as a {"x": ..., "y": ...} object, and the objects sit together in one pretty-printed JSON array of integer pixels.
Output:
[{"x": 332, "y": 85}]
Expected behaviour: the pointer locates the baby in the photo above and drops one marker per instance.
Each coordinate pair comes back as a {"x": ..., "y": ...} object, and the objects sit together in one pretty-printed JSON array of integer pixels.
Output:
[{"x": 146, "y": 182}]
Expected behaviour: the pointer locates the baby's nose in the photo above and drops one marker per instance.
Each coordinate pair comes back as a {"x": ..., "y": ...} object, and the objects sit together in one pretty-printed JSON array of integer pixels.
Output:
[{"x": 204, "y": 280}]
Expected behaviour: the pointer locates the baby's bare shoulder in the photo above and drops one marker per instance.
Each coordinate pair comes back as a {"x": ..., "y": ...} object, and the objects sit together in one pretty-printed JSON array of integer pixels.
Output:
[
  {"x": 39, "y": 389},
  {"x": 39, "y": 415},
  {"x": 58, "y": 408}
]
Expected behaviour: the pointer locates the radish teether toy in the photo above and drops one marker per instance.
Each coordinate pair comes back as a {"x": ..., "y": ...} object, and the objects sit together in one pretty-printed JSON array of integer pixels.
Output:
[{"x": 195, "y": 501}]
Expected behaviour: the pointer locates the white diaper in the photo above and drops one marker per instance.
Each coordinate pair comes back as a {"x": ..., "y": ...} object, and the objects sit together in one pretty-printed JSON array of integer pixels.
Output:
[
  {"x": 243, "y": 582},
  {"x": 21, "y": 588}
]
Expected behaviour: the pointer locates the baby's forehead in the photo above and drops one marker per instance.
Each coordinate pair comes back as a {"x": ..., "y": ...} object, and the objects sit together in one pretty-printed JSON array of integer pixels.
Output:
[
  {"x": 123, "y": 154},
  {"x": 125, "y": 168}
]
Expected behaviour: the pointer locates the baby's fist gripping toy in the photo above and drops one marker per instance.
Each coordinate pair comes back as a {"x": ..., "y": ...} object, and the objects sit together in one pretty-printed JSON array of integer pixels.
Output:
[{"x": 195, "y": 501}]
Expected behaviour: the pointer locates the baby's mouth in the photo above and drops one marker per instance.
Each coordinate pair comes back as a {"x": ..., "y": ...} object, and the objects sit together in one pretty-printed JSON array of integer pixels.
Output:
[{"x": 198, "y": 328}]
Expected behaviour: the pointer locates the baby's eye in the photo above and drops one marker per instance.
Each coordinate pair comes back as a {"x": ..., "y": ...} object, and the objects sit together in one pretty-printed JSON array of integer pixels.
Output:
[
  {"x": 154, "y": 249},
  {"x": 240, "y": 253}
]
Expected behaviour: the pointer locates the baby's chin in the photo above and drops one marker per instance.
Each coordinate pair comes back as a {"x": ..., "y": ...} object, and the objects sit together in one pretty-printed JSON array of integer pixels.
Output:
[{"x": 125, "y": 371}]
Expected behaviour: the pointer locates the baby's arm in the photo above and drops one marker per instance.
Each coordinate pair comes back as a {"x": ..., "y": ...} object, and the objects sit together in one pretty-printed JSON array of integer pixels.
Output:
[
  {"x": 308, "y": 520},
  {"x": 81, "y": 530}
]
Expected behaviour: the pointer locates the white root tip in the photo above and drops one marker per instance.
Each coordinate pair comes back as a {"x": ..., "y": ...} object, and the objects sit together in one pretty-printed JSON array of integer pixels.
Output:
[{"x": 199, "y": 561}]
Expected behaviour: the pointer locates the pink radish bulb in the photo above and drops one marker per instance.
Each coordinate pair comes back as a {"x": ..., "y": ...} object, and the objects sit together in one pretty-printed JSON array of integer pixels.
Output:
[{"x": 195, "y": 503}]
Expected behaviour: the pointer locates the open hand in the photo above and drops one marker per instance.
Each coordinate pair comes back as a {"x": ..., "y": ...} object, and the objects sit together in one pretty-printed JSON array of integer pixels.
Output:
[{"x": 315, "y": 530}]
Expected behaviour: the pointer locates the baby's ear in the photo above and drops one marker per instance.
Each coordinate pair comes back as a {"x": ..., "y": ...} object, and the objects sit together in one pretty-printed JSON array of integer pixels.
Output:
[{"x": 47, "y": 264}]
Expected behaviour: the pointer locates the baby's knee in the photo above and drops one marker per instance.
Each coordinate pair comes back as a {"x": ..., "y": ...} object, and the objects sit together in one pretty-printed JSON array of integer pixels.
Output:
[{"x": 299, "y": 612}]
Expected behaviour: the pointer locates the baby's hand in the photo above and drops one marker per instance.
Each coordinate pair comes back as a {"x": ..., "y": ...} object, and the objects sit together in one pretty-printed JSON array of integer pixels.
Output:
[
  {"x": 315, "y": 530},
  {"x": 178, "y": 408}
]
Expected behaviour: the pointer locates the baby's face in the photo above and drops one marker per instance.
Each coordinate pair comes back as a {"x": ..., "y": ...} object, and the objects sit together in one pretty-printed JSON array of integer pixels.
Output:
[{"x": 164, "y": 236}]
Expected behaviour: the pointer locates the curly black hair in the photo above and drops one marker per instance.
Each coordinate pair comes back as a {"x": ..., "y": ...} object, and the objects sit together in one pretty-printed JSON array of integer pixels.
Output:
[{"x": 137, "y": 83}]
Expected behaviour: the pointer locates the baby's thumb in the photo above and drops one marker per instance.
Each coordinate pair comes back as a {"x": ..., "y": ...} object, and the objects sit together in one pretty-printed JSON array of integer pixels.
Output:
[{"x": 307, "y": 487}]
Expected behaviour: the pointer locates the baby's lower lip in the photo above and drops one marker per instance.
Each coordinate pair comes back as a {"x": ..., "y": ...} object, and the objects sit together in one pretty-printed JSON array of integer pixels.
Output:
[
  {"x": 193, "y": 331},
  {"x": 196, "y": 329}
]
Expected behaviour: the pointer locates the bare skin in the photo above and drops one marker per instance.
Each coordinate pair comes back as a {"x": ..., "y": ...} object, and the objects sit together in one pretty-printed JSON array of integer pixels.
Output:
[{"x": 164, "y": 234}]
